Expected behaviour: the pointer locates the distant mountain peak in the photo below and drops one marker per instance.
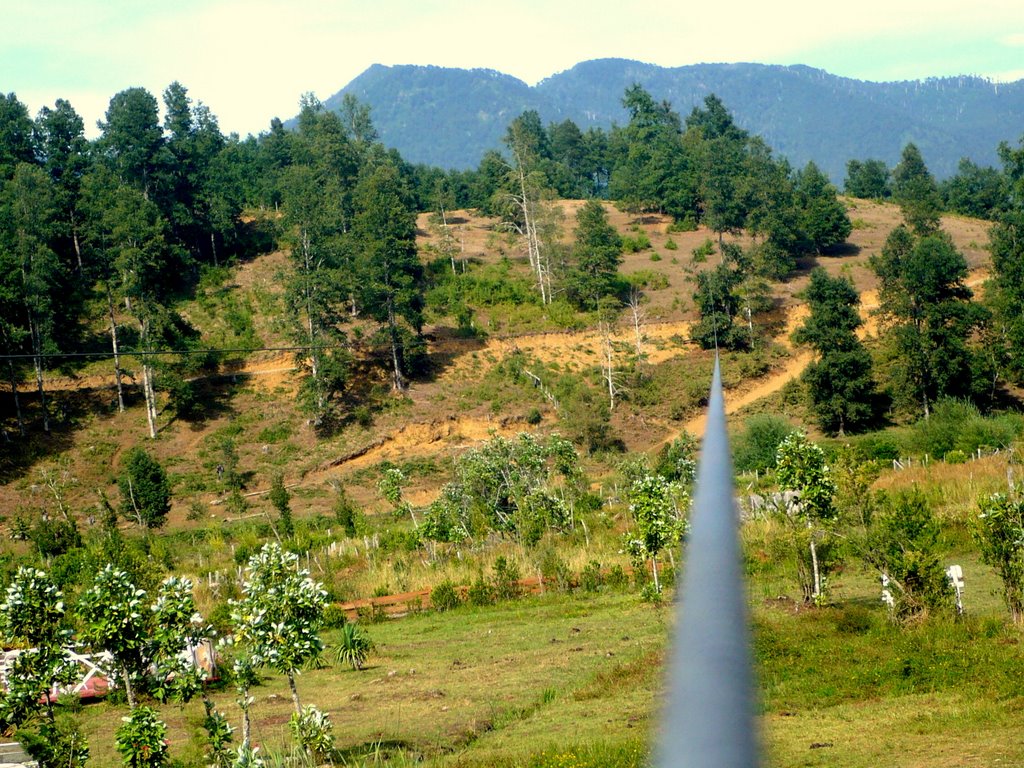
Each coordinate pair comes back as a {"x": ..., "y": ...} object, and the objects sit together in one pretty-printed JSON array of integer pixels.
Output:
[{"x": 450, "y": 117}]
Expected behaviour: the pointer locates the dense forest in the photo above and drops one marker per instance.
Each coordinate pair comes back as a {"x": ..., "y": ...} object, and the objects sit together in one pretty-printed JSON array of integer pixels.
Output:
[{"x": 113, "y": 249}]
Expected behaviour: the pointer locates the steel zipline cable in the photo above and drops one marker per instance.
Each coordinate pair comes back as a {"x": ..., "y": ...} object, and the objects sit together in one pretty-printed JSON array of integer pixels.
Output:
[{"x": 157, "y": 352}]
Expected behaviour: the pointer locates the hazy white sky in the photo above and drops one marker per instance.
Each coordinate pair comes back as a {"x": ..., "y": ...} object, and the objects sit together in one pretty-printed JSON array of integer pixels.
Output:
[{"x": 250, "y": 60}]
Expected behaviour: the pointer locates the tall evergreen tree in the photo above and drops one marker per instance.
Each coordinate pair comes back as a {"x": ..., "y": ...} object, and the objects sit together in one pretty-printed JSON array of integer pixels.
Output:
[
  {"x": 390, "y": 274},
  {"x": 916, "y": 192},
  {"x": 128, "y": 253},
  {"x": 927, "y": 314},
  {"x": 27, "y": 216},
  {"x": 64, "y": 153},
  {"x": 133, "y": 145},
  {"x": 312, "y": 206},
  {"x": 722, "y": 147},
  {"x": 1005, "y": 292},
  {"x": 718, "y": 302},
  {"x": 596, "y": 255},
  {"x": 839, "y": 379},
  {"x": 15, "y": 135},
  {"x": 869, "y": 180},
  {"x": 823, "y": 218}
]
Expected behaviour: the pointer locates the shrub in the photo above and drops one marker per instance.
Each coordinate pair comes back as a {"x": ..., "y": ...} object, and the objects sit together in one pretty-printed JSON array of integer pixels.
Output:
[
  {"x": 755, "y": 448},
  {"x": 445, "y": 597},
  {"x": 997, "y": 530},
  {"x": 506, "y": 579},
  {"x": 702, "y": 251},
  {"x": 354, "y": 646},
  {"x": 650, "y": 593},
  {"x": 141, "y": 739},
  {"x": 591, "y": 578},
  {"x": 955, "y": 456},
  {"x": 334, "y": 617},
  {"x": 853, "y": 619},
  {"x": 688, "y": 223},
  {"x": 314, "y": 732},
  {"x": 636, "y": 242},
  {"x": 480, "y": 592},
  {"x": 145, "y": 490},
  {"x": 617, "y": 578},
  {"x": 554, "y": 571},
  {"x": 904, "y": 545}
]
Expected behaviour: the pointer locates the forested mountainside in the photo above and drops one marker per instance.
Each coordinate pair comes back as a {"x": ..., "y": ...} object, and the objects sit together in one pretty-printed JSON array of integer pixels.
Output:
[{"x": 450, "y": 117}]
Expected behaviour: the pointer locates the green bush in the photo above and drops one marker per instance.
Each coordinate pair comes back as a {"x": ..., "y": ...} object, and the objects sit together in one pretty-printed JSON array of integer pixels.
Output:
[
  {"x": 957, "y": 425},
  {"x": 481, "y": 592},
  {"x": 617, "y": 578},
  {"x": 648, "y": 279},
  {"x": 591, "y": 578},
  {"x": 687, "y": 223},
  {"x": 956, "y": 456},
  {"x": 854, "y": 619},
  {"x": 702, "y": 251},
  {"x": 754, "y": 449},
  {"x": 636, "y": 242},
  {"x": 554, "y": 571},
  {"x": 334, "y": 617},
  {"x": 445, "y": 597},
  {"x": 506, "y": 579},
  {"x": 878, "y": 446}
]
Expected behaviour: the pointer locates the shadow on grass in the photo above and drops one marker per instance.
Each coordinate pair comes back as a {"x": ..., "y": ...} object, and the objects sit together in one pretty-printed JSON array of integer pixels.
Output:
[{"x": 18, "y": 453}]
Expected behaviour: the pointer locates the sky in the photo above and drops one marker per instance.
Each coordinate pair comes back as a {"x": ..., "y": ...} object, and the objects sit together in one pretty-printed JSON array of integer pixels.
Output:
[{"x": 251, "y": 60}]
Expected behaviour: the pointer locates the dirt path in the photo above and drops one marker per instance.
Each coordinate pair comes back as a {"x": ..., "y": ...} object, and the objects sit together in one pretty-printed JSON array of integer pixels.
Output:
[{"x": 278, "y": 367}]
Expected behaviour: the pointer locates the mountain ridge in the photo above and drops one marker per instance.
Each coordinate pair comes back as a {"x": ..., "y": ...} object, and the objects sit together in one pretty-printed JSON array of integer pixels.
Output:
[{"x": 449, "y": 117}]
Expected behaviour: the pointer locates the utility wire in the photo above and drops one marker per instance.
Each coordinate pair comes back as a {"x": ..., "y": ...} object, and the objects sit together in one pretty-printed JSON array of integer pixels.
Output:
[{"x": 156, "y": 352}]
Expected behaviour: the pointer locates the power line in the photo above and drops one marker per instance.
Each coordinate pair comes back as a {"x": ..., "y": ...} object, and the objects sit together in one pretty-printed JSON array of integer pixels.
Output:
[{"x": 157, "y": 352}]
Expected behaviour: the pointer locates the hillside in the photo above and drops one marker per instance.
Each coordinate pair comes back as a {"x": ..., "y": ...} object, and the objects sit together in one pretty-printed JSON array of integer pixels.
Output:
[
  {"x": 450, "y": 117},
  {"x": 469, "y": 393},
  {"x": 564, "y": 665}
]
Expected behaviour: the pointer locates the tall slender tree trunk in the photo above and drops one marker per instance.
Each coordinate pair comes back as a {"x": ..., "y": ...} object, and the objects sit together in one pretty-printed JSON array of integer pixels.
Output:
[
  {"x": 654, "y": 570},
  {"x": 76, "y": 244},
  {"x": 147, "y": 380},
  {"x": 129, "y": 692},
  {"x": 308, "y": 267},
  {"x": 246, "y": 725},
  {"x": 609, "y": 365},
  {"x": 37, "y": 364},
  {"x": 399, "y": 380},
  {"x": 814, "y": 563},
  {"x": 638, "y": 320},
  {"x": 17, "y": 400},
  {"x": 295, "y": 693},
  {"x": 532, "y": 240},
  {"x": 117, "y": 352}
]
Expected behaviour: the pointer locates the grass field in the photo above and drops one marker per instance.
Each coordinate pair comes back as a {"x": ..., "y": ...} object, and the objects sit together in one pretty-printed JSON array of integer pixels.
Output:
[{"x": 575, "y": 679}]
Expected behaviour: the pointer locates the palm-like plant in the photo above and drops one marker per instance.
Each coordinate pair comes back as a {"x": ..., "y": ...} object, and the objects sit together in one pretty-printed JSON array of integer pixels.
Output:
[{"x": 353, "y": 646}]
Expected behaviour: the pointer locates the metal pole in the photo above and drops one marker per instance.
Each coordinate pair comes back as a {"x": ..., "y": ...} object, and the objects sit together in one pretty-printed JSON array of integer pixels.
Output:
[{"x": 709, "y": 716}]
